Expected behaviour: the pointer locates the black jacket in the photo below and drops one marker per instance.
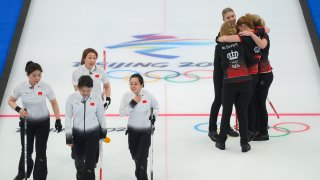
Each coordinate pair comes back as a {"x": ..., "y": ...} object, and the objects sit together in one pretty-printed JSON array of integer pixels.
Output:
[{"x": 233, "y": 59}]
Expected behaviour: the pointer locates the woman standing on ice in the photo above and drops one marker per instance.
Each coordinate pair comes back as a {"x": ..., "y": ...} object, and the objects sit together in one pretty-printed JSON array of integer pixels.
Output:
[
  {"x": 138, "y": 103},
  {"x": 228, "y": 15},
  {"x": 234, "y": 59},
  {"x": 89, "y": 67},
  {"x": 85, "y": 125},
  {"x": 34, "y": 93},
  {"x": 265, "y": 80}
]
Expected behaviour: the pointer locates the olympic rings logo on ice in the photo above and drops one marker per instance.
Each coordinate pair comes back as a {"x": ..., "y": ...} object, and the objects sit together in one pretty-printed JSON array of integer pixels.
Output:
[
  {"x": 279, "y": 127},
  {"x": 161, "y": 74},
  {"x": 148, "y": 44}
]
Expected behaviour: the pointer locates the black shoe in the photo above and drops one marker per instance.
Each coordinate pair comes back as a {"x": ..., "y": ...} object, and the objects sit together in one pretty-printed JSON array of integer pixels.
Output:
[
  {"x": 213, "y": 135},
  {"x": 221, "y": 146},
  {"x": 19, "y": 177},
  {"x": 245, "y": 147},
  {"x": 232, "y": 133},
  {"x": 251, "y": 136},
  {"x": 261, "y": 137},
  {"x": 255, "y": 132}
]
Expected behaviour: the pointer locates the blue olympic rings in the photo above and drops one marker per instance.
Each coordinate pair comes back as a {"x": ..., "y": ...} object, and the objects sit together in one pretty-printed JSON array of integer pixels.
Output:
[
  {"x": 197, "y": 127},
  {"x": 286, "y": 131},
  {"x": 132, "y": 72},
  {"x": 156, "y": 75}
]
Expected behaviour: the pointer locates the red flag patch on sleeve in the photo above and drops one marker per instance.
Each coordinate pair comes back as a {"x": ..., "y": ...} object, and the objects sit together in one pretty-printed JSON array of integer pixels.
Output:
[
  {"x": 144, "y": 101},
  {"x": 92, "y": 104},
  {"x": 40, "y": 93},
  {"x": 97, "y": 75}
]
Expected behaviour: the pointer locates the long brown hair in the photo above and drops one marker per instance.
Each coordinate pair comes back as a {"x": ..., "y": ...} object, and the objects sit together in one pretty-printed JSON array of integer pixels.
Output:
[
  {"x": 257, "y": 20},
  {"x": 86, "y": 52},
  {"x": 247, "y": 20}
]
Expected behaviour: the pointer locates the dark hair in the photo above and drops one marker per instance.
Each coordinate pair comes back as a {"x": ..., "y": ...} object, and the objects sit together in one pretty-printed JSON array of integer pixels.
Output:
[
  {"x": 86, "y": 52},
  {"x": 140, "y": 78},
  {"x": 31, "y": 67},
  {"x": 85, "y": 81}
]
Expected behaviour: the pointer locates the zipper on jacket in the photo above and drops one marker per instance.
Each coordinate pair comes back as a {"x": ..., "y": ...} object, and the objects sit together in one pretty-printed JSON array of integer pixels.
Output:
[{"x": 84, "y": 118}]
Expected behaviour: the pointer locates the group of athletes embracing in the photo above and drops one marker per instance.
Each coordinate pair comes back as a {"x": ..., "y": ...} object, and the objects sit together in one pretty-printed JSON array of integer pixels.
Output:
[{"x": 242, "y": 77}]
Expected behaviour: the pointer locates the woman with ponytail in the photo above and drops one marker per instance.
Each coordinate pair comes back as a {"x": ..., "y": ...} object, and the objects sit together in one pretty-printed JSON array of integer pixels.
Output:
[
  {"x": 265, "y": 79},
  {"x": 34, "y": 111}
]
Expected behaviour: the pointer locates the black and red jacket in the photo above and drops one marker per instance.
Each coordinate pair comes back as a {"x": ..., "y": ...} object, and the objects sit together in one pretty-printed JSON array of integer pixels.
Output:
[
  {"x": 264, "y": 63},
  {"x": 233, "y": 58},
  {"x": 259, "y": 30},
  {"x": 254, "y": 51}
]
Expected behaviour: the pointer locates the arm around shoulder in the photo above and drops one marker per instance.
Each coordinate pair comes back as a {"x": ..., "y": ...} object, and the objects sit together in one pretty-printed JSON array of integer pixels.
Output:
[{"x": 231, "y": 38}]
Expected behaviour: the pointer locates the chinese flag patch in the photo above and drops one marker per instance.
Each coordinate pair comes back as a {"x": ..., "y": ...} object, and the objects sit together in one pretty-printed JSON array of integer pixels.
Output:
[
  {"x": 97, "y": 76},
  {"x": 92, "y": 104},
  {"x": 144, "y": 101},
  {"x": 40, "y": 93}
]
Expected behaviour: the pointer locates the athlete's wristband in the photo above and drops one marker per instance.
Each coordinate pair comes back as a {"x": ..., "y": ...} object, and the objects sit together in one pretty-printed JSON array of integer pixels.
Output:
[
  {"x": 133, "y": 103},
  {"x": 17, "y": 109}
]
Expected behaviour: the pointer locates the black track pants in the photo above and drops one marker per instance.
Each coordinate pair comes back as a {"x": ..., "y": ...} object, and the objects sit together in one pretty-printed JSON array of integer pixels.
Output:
[
  {"x": 239, "y": 95},
  {"x": 139, "y": 144},
  {"x": 38, "y": 133},
  {"x": 265, "y": 81},
  {"x": 85, "y": 151}
]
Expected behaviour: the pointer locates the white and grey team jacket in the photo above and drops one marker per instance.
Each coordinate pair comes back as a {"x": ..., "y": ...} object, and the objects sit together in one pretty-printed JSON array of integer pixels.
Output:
[
  {"x": 97, "y": 74},
  {"x": 84, "y": 118},
  {"x": 139, "y": 115},
  {"x": 34, "y": 100}
]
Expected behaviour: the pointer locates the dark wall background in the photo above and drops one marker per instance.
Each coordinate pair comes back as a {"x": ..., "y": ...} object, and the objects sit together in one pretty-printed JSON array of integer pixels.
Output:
[
  {"x": 311, "y": 12},
  {"x": 13, "y": 14}
]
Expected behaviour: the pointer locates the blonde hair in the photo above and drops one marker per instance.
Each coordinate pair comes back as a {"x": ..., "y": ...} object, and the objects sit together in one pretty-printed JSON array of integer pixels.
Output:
[
  {"x": 225, "y": 11},
  {"x": 246, "y": 20},
  {"x": 257, "y": 20},
  {"x": 228, "y": 28}
]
